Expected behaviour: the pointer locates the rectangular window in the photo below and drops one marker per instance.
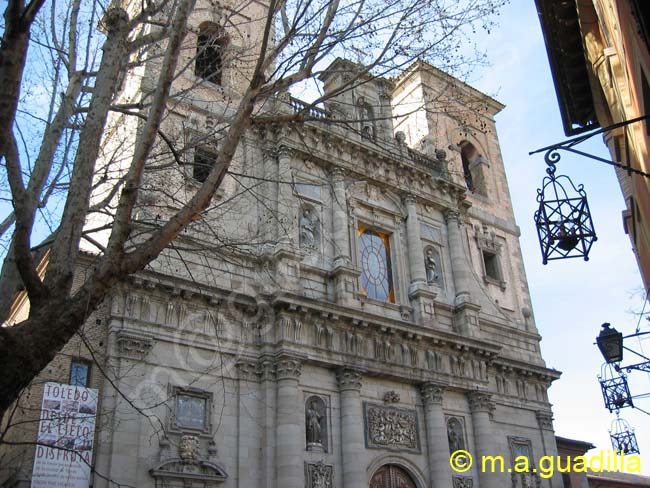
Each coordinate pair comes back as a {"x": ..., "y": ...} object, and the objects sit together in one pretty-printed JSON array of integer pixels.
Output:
[
  {"x": 190, "y": 412},
  {"x": 492, "y": 269},
  {"x": 79, "y": 372},
  {"x": 203, "y": 163}
]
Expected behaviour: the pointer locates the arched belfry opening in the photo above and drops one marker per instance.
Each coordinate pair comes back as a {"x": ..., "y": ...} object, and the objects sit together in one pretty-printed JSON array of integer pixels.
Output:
[
  {"x": 210, "y": 48},
  {"x": 473, "y": 167}
]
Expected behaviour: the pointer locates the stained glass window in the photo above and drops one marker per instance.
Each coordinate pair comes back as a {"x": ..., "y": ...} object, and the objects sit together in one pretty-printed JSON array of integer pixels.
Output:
[{"x": 376, "y": 273}]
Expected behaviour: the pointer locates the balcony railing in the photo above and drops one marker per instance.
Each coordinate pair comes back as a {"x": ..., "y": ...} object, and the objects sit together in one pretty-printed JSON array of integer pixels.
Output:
[
  {"x": 436, "y": 167},
  {"x": 299, "y": 106}
]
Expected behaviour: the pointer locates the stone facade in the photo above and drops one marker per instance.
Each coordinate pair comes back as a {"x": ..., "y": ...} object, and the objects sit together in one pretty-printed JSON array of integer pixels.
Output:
[{"x": 374, "y": 314}]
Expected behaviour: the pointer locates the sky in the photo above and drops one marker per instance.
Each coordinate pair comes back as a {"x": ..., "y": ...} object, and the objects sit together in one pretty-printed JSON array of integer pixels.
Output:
[{"x": 571, "y": 298}]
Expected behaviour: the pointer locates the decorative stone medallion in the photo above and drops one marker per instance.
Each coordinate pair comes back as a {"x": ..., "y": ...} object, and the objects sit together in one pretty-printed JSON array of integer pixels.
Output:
[
  {"x": 188, "y": 448},
  {"x": 319, "y": 475},
  {"x": 391, "y": 428}
]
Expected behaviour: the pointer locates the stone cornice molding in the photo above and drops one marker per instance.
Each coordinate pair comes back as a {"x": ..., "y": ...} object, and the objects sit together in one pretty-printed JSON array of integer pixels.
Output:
[
  {"x": 480, "y": 401},
  {"x": 134, "y": 344},
  {"x": 452, "y": 215},
  {"x": 285, "y": 151},
  {"x": 545, "y": 419},
  {"x": 337, "y": 174},
  {"x": 248, "y": 370},
  {"x": 288, "y": 368},
  {"x": 432, "y": 393},
  {"x": 348, "y": 379},
  {"x": 409, "y": 199},
  {"x": 267, "y": 369}
]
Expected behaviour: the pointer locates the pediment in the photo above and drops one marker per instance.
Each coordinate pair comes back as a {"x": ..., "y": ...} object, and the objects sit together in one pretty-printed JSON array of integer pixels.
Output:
[
  {"x": 376, "y": 197},
  {"x": 207, "y": 472}
]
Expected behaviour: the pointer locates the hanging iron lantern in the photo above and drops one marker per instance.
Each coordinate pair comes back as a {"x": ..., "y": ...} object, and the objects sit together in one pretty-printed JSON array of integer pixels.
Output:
[
  {"x": 616, "y": 391},
  {"x": 623, "y": 437},
  {"x": 564, "y": 226},
  {"x": 610, "y": 343}
]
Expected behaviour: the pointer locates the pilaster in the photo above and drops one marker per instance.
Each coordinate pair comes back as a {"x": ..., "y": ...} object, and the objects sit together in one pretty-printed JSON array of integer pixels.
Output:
[
  {"x": 466, "y": 318},
  {"x": 482, "y": 406},
  {"x": 436, "y": 430},
  {"x": 352, "y": 433},
  {"x": 289, "y": 419}
]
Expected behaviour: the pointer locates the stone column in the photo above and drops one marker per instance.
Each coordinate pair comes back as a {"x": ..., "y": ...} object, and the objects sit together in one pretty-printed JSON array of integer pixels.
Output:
[
  {"x": 545, "y": 422},
  {"x": 268, "y": 410},
  {"x": 249, "y": 435},
  {"x": 481, "y": 406},
  {"x": 352, "y": 433},
  {"x": 290, "y": 417},
  {"x": 437, "y": 441},
  {"x": 459, "y": 262},
  {"x": 270, "y": 193},
  {"x": 287, "y": 231},
  {"x": 343, "y": 276},
  {"x": 466, "y": 312},
  {"x": 414, "y": 245},
  {"x": 340, "y": 235},
  {"x": 420, "y": 294}
]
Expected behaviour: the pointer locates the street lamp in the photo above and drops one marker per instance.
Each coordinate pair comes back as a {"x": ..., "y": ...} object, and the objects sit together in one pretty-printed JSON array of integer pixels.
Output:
[
  {"x": 610, "y": 343},
  {"x": 614, "y": 385},
  {"x": 563, "y": 220}
]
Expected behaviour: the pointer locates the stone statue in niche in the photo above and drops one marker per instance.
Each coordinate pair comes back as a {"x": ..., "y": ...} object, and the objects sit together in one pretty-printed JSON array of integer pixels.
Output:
[
  {"x": 309, "y": 232},
  {"x": 316, "y": 424},
  {"x": 455, "y": 435},
  {"x": 431, "y": 266}
]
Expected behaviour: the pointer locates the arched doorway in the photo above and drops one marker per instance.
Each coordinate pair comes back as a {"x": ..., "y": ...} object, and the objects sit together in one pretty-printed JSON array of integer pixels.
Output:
[{"x": 391, "y": 476}]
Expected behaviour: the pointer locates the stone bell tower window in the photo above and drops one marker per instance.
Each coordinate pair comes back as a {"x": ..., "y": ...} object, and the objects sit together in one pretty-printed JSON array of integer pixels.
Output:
[
  {"x": 473, "y": 167},
  {"x": 203, "y": 163},
  {"x": 210, "y": 47}
]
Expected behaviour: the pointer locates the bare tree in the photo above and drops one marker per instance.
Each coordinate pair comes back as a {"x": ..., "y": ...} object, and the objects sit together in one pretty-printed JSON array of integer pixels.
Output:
[{"x": 70, "y": 180}]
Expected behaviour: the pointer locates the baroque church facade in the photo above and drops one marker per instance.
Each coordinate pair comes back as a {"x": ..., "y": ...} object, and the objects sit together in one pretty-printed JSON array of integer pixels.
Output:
[{"x": 373, "y": 319}]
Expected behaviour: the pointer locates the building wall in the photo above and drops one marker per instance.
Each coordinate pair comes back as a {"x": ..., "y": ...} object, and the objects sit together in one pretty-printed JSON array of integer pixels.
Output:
[
  {"x": 260, "y": 306},
  {"x": 620, "y": 59}
]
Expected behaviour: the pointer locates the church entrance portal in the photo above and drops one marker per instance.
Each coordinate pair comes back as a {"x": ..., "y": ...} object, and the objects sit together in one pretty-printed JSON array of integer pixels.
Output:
[{"x": 391, "y": 476}]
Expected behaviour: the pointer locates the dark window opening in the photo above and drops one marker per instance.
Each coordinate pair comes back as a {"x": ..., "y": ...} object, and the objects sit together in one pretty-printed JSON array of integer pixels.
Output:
[
  {"x": 367, "y": 119},
  {"x": 491, "y": 262},
  {"x": 473, "y": 170},
  {"x": 209, "y": 53},
  {"x": 203, "y": 163},
  {"x": 79, "y": 373}
]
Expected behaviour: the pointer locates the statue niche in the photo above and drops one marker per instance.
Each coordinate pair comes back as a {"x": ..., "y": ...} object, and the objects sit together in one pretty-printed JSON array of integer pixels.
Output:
[
  {"x": 316, "y": 424},
  {"x": 309, "y": 232},
  {"x": 432, "y": 265},
  {"x": 455, "y": 435}
]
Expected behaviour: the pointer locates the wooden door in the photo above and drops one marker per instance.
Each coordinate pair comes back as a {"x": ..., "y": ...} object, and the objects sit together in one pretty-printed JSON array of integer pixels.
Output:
[{"x": 391, "y": 476}]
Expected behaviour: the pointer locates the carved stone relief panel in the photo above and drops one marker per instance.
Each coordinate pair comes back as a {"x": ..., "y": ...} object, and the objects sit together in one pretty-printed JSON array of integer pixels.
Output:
[
  {"x": 391, "y": 428},
  {"x": 463, "y": 482},
  {"x": 319, "y": 475}
]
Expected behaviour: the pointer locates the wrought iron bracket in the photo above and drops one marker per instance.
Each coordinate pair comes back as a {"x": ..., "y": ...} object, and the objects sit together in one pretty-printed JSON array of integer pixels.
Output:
[
  {"x": 639, "y": 367},
  {"x": 569, "y": 146}
]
